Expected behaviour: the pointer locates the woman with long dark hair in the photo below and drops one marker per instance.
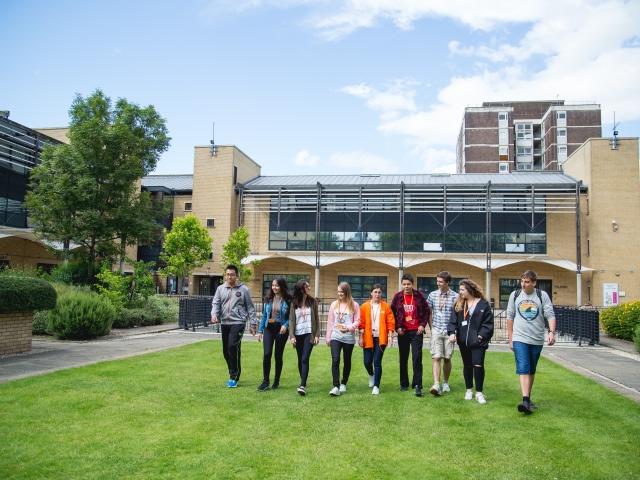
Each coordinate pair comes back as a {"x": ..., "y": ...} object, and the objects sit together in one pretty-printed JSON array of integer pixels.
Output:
[
  {"x": 304, "y": 328},
  {"x": 377, "y": 325},
  {"x": 342, "y": 322},
  {"x": 273, "y": 329},
  {"x": 471, "y": 325}
]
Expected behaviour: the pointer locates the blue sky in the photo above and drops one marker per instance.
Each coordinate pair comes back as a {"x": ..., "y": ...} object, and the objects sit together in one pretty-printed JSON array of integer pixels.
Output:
[{"x": 318, "y": 86}]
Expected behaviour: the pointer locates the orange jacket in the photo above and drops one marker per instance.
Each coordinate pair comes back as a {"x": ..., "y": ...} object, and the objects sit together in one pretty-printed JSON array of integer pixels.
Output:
[{"x": 387, "y": 323}]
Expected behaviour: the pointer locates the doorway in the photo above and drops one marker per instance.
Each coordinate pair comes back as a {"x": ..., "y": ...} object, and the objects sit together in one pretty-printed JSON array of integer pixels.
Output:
[{"x": 208, "y": 285}]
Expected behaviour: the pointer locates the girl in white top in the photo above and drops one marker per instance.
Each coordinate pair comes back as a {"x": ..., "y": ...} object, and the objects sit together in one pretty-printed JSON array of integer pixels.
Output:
[{"x": 343, "y": 321}]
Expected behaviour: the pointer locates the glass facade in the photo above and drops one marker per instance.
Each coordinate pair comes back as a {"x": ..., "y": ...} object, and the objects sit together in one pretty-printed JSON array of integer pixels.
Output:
[
  {"x": 291, "y": 280},
  {"x": 361, "y": 286},
  {"x": 430, "y": 284},
  {"x": 424, "y": 232}
]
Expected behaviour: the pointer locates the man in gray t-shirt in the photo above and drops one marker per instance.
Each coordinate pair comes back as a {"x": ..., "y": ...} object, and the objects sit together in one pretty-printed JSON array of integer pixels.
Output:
[{"x": 526, "y": 312}]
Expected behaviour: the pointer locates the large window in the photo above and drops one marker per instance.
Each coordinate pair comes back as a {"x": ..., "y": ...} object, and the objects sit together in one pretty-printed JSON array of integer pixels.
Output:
[
  {"x": 424, "y": 232},
  {"x": 291, "y": 280},
  {"x": 430, "y": 284},
  {"x": 508, "y": 285},
  {"x": 361, "y": 286}
]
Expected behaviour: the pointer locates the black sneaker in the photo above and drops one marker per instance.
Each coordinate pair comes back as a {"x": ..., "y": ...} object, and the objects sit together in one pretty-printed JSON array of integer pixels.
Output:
[
  {"x": 263, "y": 386},
  {"x": 404, "y": 389},
  {"x": 275, "y": 385},
  {"x": 524, "y": 407},
  {"x": 418, "y": 391},
  {"x": 302, "y": 390},
  {"x": 531, "y": 405}
]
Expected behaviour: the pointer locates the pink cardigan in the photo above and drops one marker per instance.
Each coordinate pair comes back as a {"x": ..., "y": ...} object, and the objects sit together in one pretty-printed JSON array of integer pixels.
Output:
[{"x": 331, "y": 319}]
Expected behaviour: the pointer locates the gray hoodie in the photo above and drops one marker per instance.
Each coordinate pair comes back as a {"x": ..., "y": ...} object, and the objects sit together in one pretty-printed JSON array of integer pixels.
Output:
[{"x": 233, "y": 305}]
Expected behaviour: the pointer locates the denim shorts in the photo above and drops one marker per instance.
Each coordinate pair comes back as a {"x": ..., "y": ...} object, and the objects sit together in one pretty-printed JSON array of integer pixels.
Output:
[{"x": 526, "y": 357}]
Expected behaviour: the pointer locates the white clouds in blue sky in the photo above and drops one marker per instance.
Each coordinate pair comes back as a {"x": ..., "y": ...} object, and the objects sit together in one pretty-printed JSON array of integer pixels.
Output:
[{"x": 320, "y": 86}]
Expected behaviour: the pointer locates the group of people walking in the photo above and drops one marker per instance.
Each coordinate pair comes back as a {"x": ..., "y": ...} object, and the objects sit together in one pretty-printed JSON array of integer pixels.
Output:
[{"x": 464, "y": 318}]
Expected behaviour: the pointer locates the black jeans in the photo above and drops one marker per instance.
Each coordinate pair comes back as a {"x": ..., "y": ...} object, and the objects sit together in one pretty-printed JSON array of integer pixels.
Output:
[
  {"x": 272, "y": 335},
  {"x": 410, "y": 340},
  {"x": 373, "y": 360},
  {"x": 336, "y": 346},
  {"x": 304, "y": 345},
  {"x": 473, "y": 366},
  {"x": 231, "y": 342}
]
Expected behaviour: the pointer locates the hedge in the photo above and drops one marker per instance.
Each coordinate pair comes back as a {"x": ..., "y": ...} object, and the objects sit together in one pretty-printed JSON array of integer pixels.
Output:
[
  {"x": 621, "y": 321},
  {"x": 80, "y": 316},
  {"x": 24, "y": 294},
  {"x": 636, "y": 338}
]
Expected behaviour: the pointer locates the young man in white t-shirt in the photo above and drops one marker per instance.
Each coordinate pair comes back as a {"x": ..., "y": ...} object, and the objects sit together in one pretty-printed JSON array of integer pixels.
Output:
[
  {"x": 441, "y": 303},
  {"x": 526, "y": 313}
]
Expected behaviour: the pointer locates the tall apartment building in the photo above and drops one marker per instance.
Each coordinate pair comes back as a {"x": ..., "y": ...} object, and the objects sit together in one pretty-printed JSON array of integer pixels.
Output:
[{"x": 503, "y": 137}]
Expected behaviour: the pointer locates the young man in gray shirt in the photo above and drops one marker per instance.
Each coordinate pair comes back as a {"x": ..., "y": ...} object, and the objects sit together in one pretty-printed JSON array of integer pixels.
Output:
[
  {"x": 231, "y": 306},
  {"x": 526, "y": 312}
]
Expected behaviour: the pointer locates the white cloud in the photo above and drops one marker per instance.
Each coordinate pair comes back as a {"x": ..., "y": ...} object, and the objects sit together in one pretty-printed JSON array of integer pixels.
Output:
[
  {"x": 304, "y": 159},
  {"x": 362, "y": 162}
]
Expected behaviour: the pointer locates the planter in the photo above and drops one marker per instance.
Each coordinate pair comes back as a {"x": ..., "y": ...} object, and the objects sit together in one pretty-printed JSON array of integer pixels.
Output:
[{"x": 15, "y": 332}]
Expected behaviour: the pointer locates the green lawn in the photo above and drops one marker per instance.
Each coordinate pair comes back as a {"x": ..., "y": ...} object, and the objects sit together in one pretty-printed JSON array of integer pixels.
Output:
[{"x": 169, "y": 415}]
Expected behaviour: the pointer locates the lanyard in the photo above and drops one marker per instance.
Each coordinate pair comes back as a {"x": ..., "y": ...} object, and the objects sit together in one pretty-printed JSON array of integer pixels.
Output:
[
  {"x": 466, "y": 310},
  {"x": 440, "y": 303},
  {"x": 409, "y": 305},
  {"x": 342, "y": 314},
  {"x": 275, "y": 307}
]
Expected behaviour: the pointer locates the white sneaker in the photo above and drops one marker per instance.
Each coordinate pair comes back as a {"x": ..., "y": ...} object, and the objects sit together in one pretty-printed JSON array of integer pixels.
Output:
[
  {"x": 435, "y": 390},
  {"x": 335, "y": 391},
  {"x": 480, "y": 398},
  {"x": 343, "y": 388},
  {"x": 371, "y": 381},
  {"x": 445, "y": 387},
  {"x": 468, "y": 395},
  {"x": 375, "y": 391}
]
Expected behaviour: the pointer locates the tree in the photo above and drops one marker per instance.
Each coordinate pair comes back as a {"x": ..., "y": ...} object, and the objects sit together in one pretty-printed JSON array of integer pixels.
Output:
[
  {"x": 186, "y": 247},
  {"x": 129, "y": 291},
  {"x": 235, "y": 250},
  {"x": 86, "y": 192}
]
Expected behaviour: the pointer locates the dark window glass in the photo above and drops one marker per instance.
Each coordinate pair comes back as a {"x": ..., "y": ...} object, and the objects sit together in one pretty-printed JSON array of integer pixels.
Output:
[{"x": 361, "y": 286}]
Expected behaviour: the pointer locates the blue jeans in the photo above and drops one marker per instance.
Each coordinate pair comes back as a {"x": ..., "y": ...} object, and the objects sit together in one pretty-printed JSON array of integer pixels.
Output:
[
  {"x": 526, "y": 357},
  {"x": 373, "y": 360}
]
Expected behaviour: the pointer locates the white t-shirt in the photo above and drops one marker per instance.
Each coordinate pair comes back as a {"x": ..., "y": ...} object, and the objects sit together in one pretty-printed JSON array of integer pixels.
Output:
[{"x": 303, "y": 321}]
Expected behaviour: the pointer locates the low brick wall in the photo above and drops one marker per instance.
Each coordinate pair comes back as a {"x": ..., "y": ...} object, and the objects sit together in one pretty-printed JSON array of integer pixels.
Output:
[{"x": 15, "y": 332}]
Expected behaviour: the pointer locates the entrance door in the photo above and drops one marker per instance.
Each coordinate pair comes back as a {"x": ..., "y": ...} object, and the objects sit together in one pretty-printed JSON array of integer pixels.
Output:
[
  {"x": 208, "y": 285},
  {"x": 545, "y": 285}
]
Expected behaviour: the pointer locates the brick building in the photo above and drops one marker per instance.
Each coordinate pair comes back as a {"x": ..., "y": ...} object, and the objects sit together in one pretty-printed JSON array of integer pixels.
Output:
[{"x": 503, "y": 137}]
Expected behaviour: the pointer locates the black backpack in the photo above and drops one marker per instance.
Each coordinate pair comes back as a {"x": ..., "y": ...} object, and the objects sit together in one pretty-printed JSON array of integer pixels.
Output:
[{"x": 519, "y": 291}]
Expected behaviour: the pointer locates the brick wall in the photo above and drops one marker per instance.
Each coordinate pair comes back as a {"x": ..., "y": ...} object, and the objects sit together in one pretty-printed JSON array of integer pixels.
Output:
[
  {"x": 25, "y": 252},
  {"x": 15, "y": 332}
]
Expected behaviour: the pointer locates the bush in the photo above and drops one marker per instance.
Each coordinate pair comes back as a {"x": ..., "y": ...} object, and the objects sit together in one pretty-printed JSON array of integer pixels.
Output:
[
  {"x": 41, "y": 323},
  {"x": 129, "y": 291},
  {"x": 163, "y": 308},
  {"x": 621, "y": 321},
  {"x": 80, "y": 316},
  {"x": 636, "y": 338},
  {"x": 25, "y": 294},
  {"x": 73, "y": 273},
  {"x": 133, "y": 317}
]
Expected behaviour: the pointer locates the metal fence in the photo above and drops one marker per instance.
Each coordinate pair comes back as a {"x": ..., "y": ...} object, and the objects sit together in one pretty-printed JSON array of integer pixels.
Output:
[{"x": 573, "y": 324}]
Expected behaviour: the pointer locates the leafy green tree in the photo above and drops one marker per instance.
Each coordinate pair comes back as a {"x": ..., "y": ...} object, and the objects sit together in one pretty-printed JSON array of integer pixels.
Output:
[
  {"x": 127, "y": 290},
  {"x": 235, "y": 250},
  {"x": 86, "y": 192},
  {"x": 186, "y": 247}
]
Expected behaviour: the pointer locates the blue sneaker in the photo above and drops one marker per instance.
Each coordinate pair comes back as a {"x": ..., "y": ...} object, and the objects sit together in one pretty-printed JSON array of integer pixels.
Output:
[{"x": 232, "y": 384}]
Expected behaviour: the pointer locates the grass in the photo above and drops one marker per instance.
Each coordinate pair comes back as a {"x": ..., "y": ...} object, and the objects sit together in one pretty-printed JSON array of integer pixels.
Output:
[{"x": 169, "y": 415}]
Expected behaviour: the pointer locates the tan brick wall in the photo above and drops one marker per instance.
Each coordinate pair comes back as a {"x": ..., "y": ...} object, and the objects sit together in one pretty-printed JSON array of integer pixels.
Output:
[
  {"x": 57, "y": 133},
  {"x": 178, "y": 205},
  {"x": 614, "y": 194},
  {"x": 25, "y": 252},
  {"x": 15, "y": 332}
]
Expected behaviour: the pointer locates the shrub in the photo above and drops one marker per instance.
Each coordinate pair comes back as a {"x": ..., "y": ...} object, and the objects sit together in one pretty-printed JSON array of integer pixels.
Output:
[
  {"x": 73, "y": 273},
  {"x": 127, "y": 290},
  {"x": 636, "y": 338},
  {"x": 81, "y": 316},
  {"x": 41, "y": 323},
  {"x": 132, "y": 317},
  {"x": 621, "y": 321},
  {"x": 163, "y": 308},
  {"x": 25, "y": 294}
]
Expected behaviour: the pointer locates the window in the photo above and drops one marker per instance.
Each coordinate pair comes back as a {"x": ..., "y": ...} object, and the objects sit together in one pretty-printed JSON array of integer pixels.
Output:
[
  {"x": 211, "y": 223},
  {"x": 504, "y": 153},
  {"x": 503, "y": 167},
  {"x": 361, "y": 286},
  {"x": 187, "y": 206},
  {"x": 562, "y": 135},
  {"x": 290, "y": 278},
  {"x": 523, "y": 131},
  {"x": 562, "y": 154},
  {"x": 502, "y": 120},
  {"x": 430, "y": 284},
  {"x": 46, "y": 267},
  {"x": 211, "y": 256},
  {"x": 588, "y": 247},
  {"x": 503, "y": 136},
  {"x": 561, "y": 119},
  {"x": 235, "y": 175}
]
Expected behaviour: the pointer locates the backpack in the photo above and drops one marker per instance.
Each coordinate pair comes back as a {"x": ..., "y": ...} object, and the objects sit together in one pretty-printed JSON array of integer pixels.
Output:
[{"x": 519, "y": 291}]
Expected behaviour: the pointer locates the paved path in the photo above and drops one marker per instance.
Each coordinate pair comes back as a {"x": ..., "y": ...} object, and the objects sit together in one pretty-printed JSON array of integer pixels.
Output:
[{"x": 617, "y": 368}]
